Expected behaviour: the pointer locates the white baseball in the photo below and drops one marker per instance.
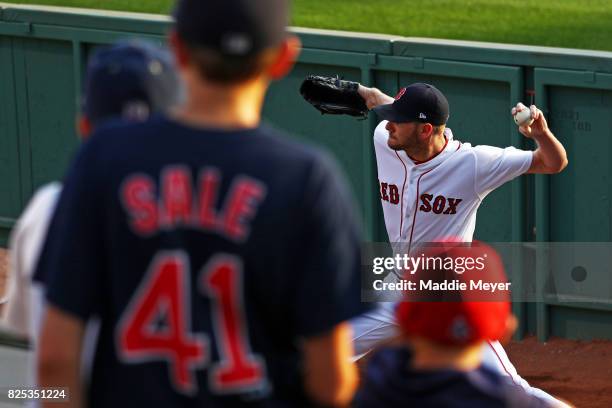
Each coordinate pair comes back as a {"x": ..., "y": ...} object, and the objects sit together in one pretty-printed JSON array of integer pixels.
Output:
[{"x": 523, "y": 118}]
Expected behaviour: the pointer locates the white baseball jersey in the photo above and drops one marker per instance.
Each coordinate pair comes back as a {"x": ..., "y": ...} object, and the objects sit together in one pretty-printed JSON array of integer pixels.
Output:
[
  {"x": 439, "y": 198},
  {"x": 25, "y": 244},
  {"x": 25, "y": 307}
]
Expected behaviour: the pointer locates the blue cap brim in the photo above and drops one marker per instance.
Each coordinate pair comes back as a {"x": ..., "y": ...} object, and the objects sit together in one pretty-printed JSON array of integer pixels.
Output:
[{"x": 388, "y": 112}]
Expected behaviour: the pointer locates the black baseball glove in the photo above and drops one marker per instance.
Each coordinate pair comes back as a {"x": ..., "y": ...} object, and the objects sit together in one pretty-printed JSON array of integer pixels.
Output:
[{"x": 334, "y": 96}]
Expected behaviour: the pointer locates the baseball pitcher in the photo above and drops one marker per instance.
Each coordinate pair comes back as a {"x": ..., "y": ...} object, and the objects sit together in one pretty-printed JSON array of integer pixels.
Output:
[{"x": 431, "y": 185}]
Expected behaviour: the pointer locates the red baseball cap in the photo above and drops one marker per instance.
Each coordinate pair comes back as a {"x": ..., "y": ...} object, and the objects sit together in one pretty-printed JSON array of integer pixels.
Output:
[{"x": 455, "y": 316}]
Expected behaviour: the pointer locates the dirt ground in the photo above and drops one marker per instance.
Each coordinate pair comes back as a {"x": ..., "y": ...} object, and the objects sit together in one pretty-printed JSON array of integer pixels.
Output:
[{"x": 577, "y": 371}]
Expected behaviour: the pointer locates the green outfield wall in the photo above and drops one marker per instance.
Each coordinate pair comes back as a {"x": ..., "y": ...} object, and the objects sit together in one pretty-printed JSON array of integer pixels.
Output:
[{"x": 42, "y": 59}]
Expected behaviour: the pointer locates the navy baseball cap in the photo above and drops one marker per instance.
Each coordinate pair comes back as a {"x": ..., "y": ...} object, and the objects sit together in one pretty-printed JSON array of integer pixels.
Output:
[
  {"x": 130, "y": 79},
  {"x": 418, "y": 102},
  {"x": 232, "y": 27}
]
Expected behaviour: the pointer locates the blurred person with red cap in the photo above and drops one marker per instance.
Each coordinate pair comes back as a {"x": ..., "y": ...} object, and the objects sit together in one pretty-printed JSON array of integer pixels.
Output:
[{"x": 436, "y": 361}]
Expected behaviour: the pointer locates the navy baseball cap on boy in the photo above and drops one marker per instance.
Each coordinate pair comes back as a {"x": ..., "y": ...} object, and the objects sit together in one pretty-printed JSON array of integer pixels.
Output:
[
  {"x": 232, "y": 27},
  {"x": 130, "y": 79},
  {"x": 418, "y": 102}
]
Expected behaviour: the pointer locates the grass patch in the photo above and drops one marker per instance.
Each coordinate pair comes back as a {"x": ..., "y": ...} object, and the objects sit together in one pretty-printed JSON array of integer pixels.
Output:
[{"x": 583, "y": 24}]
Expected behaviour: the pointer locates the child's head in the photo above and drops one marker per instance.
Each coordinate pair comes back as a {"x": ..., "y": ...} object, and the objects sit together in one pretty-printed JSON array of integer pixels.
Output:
[{"x": 462, "y": 297}]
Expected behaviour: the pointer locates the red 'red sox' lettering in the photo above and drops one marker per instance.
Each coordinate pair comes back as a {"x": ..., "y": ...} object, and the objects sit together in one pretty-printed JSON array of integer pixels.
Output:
[
  {"x": 439, "y": 204},
  {"x": 178, "y": 205},
  {"x": 390, "y": 193}
]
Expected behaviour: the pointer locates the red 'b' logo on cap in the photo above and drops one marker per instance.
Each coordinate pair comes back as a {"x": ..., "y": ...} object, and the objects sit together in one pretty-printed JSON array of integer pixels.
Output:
[{"x": 400, "y": 93}]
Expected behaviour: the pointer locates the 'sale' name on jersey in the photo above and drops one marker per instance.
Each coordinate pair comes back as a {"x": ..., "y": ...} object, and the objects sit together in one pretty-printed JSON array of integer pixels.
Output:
[{"x": 184, "y": 202}]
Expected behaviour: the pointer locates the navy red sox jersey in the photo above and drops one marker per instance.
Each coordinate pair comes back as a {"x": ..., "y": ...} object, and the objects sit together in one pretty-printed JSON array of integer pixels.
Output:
[
  {"x": 439, "y": 198},
  {"x": 207, "y": 255},
  {"x": 390, "y": 382}
]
